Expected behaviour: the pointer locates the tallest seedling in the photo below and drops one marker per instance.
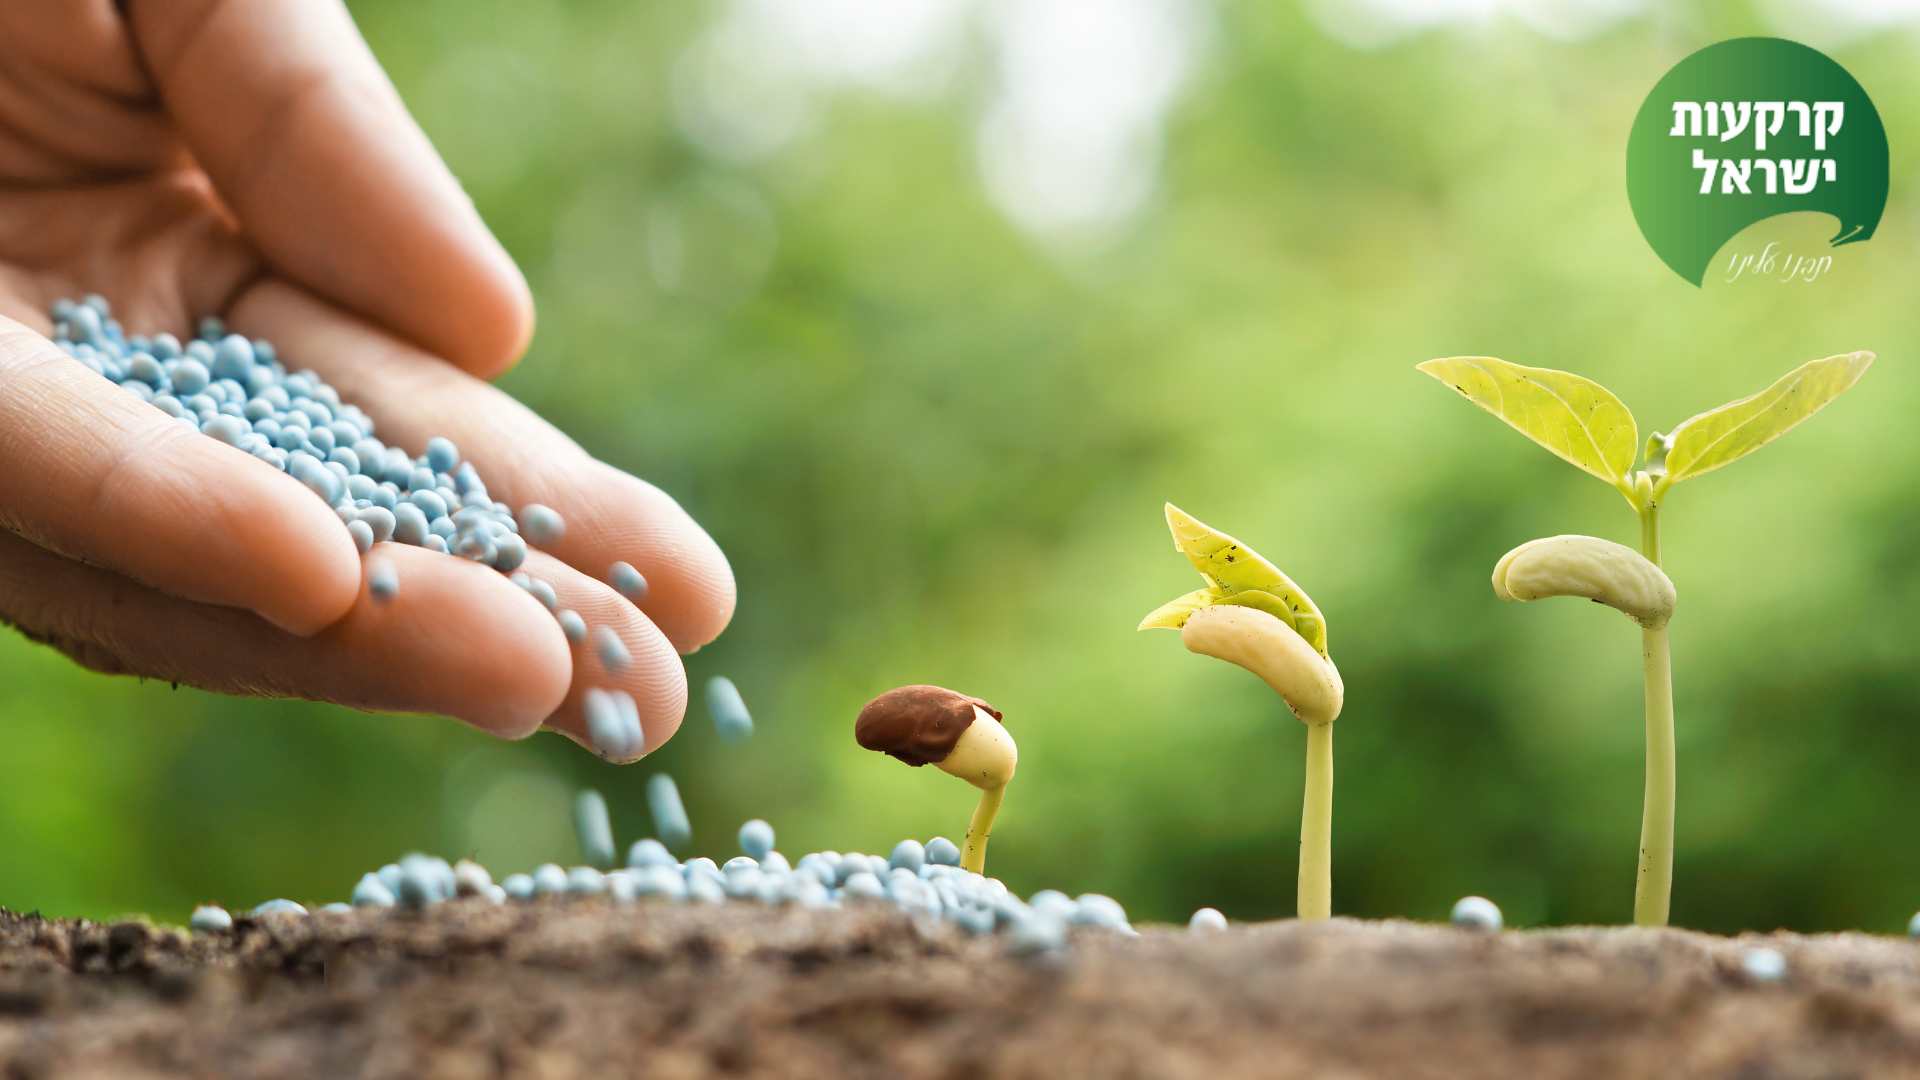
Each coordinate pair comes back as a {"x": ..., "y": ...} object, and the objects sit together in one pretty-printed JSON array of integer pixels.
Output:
[{"x": 1585, "y": 425}]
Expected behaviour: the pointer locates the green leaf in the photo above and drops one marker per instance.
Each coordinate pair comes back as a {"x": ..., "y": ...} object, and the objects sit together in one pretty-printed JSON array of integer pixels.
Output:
[
  {"x": 1173, "y": 614},
  {"x": 1719, "y": 437},
  {"x": 1236, "y": 574},
  {"x": 1578, "y": 419}
]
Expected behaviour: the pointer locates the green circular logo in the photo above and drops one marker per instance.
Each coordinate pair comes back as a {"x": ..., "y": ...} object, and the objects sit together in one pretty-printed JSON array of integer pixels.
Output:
[{"x": 1743, "y": 131}]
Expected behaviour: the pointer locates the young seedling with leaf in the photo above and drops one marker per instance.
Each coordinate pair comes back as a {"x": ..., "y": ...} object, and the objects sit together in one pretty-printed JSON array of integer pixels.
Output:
[
  {"x": 1582, "y": 423},
  {"x": 1253, "y": 615}
]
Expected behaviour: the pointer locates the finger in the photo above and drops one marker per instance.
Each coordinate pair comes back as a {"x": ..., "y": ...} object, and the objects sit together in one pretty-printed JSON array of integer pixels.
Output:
[
  {"x": 653, "y": 674},
  {"x": 610, "y": 515},
  {"x": 457, "y": 639},
  {"x": 91, "y": 472},
  {"x": 285, "y": 107}
]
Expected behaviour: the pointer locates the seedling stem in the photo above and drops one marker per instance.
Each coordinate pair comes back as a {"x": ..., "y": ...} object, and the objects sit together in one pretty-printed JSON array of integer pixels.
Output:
[
  {"x": 1654, "y": 886},
  {"x": 1315, "y": 900}
]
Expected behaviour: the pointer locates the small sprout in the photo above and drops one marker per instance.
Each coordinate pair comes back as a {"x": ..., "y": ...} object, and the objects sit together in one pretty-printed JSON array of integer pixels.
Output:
[
  {"x": 962, "y": 735},
  {"x": 1764, "y": 964},
  {"x": 1477, "y": 913},
  {"x": 210, "y": 919},
  {"x": 594, "y": 828},
  {"x": 383, "y": 581},
  {"x": 756, "y": 839},
  {"x": 1585, "y": 425},
  {"x": 669, "y": 814},
  {"x": 1252, "y": 615},
  {"x": 730, "y": 716},
  {"x": 1207, "y": 919},
  {"x": 542, "y": 524},
  {"x": 629, "y": 582},
  {"x": 943, "y": 852}
]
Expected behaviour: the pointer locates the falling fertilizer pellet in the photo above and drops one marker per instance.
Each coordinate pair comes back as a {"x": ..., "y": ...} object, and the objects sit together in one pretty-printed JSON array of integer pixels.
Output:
[
  {"x": 730, "y": 716},
  {"x": 669, "y": 814},
  {"x": 594, "y": 827}
]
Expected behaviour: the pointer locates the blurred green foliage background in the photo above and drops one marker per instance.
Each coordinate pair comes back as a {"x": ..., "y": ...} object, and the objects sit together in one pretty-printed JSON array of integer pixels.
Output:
[{"x": 932, "y": 415}]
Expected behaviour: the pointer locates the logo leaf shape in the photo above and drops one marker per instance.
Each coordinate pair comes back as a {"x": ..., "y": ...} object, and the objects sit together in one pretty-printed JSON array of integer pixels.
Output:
[
  {"x": 1577, "y": 419},
  {"x": 1718, "y": 437}
]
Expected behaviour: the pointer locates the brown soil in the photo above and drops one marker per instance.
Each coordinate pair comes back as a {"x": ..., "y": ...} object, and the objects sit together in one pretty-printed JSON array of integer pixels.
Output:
[{"x": 567, "y": 989}]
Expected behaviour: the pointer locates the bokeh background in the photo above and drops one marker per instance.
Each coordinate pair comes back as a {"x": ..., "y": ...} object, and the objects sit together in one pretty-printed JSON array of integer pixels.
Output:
[{"x": 925, "y": 306}]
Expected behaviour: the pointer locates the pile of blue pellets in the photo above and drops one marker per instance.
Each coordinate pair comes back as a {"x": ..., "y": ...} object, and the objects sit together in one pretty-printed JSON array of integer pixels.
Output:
[
  {"x": 238, "y": 390},
  {"x": 924, "y": 880}
]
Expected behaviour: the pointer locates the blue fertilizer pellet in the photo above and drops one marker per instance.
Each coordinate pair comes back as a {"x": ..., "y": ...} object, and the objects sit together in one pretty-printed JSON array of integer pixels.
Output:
[
  {"x": 729, "y": 710},
  {"x": 586, "y": 881},
  {"x": 670, "y": 822},
  {"x": 372, "y": 892},
  {"x": 549, "y": 879},
  {"x": 943, "y": 852},
  {"x": 572, "y": 625},
  {"x": 594, "y": 827},
  {"x": 648, "y": 853},
  {"x": 908, "y": 855},
  {"x": 383, "y": 581},
  {"x": 442, "y": 455},
  {"x": 228, "y": 429},
  {"x": 1093, "y": 909},
  {"x": 611, "y": 650},
  {"x": 518, "y": 886},
  {"x": 607, "y": 730},
  {"x": 362, "y": 534},
  {"x": 1764, "y": 964},
  {"x": 1037, "y": 933},
  {"x": 382, "y": 521},
  {"x": 1476, "y": 913},
  {"x": 1207, "y": 919},
  {"x": 335, "y": 908},
  {"x": 210, "y": 919},
  {"x": 279, "y": 907},
  {"x": 756, "y": 838},
  {"x": 540, "y": 589},
  {"x": 541, "y": 524},
  {"x": 629, "y": 582},
  {"x": 706, "y": 890},
  {"x": 509, "y": 553}
]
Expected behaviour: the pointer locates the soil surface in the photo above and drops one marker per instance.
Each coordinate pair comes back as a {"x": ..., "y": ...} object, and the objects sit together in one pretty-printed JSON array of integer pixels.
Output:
[{"x": 576, "y": 988}]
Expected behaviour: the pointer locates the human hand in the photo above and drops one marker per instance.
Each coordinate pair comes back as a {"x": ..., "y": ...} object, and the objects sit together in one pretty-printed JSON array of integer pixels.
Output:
[{"x": 250, "y": 158}]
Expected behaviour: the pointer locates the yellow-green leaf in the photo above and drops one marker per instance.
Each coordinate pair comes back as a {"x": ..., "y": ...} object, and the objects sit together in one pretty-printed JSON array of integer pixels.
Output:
[
  {"x": 1579, "y": 420},
  {"x": 1721, "y": 436},
  {"x": 1231, "y": 569},
  {"x": 1173, "y": 614}
]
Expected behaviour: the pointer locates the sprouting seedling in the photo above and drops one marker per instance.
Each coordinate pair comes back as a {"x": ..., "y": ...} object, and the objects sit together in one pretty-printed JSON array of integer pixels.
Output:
[
  {"x": 1584, "y": 424},
  {"x": 962, "y": 735},
  {"x": 1253, "y": 615}
]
